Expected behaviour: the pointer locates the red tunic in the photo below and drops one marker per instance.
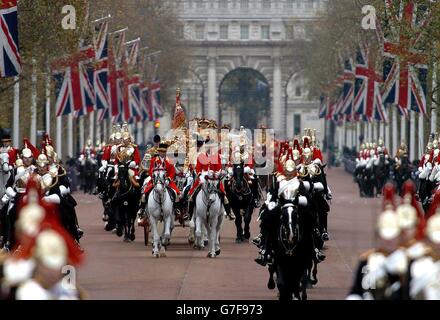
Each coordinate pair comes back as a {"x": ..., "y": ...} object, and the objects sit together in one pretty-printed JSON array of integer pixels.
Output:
[
  {"x": 107, "y": 153},
  {"x": 170, "y": 173},
  {"x": 205, "y": 163}
]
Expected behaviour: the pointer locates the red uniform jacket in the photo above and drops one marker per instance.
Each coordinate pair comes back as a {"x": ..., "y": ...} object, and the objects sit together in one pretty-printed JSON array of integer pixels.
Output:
[
  {"x": 170, "y": 172},
  {"x": 207, "y": 162},
  {"x": 107, "y": 153}
]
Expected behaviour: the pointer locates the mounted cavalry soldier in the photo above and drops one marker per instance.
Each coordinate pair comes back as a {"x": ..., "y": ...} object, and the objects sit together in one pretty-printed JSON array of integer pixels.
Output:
[
  {"x": 315, "y": 181},
  {"x": 56, "y": 190},
  {"x": 8, "y": 156},
  {"x": 208, "y": 162},
  {"x": 15, "y": 189},
  {"x": 160, "y": 162}
]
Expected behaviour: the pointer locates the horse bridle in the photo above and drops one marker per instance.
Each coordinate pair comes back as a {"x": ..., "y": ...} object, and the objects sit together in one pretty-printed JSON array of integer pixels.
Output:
[
  {"x": 129, "y": 189},
  {"x": 207, "y": 192},
  {"x": 289, "y": 251},
  {"x": 161, "y": 181}
]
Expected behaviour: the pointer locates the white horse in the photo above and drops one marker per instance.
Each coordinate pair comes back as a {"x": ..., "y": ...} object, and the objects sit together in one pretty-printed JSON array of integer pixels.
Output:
[
  {"x": 160, "y": 208},
  {"x": 5, "y": 172},
  {"x": 209, "y": 214}
]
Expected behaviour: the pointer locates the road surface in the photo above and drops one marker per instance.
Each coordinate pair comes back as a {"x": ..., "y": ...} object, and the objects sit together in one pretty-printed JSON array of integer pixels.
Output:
[{"x": 117, "y": 270}]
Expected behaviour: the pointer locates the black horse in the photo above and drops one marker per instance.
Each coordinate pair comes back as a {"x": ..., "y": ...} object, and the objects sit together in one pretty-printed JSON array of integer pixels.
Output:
[
  {"x": 293, "y": 253},
  {"x": 125, "y": 203},
  {"x": 88, "y": 168},
  {"x": 402, "y": 172},
  {"x": 381, "y": 173},
  {"x": 240, "y": 196}
]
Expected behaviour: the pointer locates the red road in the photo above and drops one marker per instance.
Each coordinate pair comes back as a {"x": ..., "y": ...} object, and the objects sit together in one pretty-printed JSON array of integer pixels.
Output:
[{"x": 118, "y": 270}]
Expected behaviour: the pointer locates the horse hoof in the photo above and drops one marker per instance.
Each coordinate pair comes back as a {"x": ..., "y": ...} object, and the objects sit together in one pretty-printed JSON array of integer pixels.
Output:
[
  {"x": 132, "y": 237},
  {"x": 325, "y": 237},
  {"x": 211, "y": 255},
  {"x": 238, "y": 240},
  {"x": 191, "y": 241},
  {"x": 271, "y": 284},
  {"x": 217, "y": 253},
  {"x": 108, "y": 227},
  {"x": 163, "y": 252},
  {"x": 126, "y": 239},
  {"x": 156, "y": 255},
  {"x": 247, "y": 236},
  {"x": 205, "y": 242},
  {"x": 119, "y": 232}
]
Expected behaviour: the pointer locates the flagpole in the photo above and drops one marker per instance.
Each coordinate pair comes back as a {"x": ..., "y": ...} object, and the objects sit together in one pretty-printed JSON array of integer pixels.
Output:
[
  {"x": 33, "y": 133},
  {"x": 98, "y": 135},
  {"x": 394, "y": 130},
  {"x": 374, "y": 130},
  {"x": 369, "y": 132},
  {"x": 70, "y": 135},
  {"x": 92, "y": 126},
  {"x": 358, "y": 133},
  {"x": 412, "y": 136},
  {"x": 81, "y": 133},
  {"x": 403, "y": 121},
  {"x": 140, "y": 133},
  {"x": 48, "y": 103},
  {"x": 16, "y": 113},
  {"x": 59, "y": 144},
  {"x": 421, "y": 139}
]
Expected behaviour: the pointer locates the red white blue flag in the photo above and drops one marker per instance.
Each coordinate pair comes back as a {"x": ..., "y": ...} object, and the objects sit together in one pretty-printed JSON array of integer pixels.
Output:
[
  {"x": 100, "y": 79},
  {"x": 10, "y": 61},
  {"x": 405, "y": 69},
  {"x": 74, "y": 83}
]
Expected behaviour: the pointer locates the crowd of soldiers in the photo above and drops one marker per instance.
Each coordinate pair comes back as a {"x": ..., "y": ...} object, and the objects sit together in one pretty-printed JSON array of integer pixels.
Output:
[
  {"x": 375, "y": 166},
  {"x": 39, "y": 229},
  {"x": 405, "y": 263}
]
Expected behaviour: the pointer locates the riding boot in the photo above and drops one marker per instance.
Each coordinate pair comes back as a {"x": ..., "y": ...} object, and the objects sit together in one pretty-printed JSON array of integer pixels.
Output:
[
  {"x": 255, "y": 193},
  {"x": 142, "y": 205},
  {"x": 191, "y": 204}
]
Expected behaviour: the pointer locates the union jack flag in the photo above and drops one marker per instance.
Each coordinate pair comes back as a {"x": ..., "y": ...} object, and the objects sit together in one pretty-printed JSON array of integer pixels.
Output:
[
  {"x": 117, "y": 74},
  {"x": 405, "y": 69},
  {"x": 10, "y": 60},
  {"x": 348, "y": 90},
  {"x": 74, "y": 78},
  {"x": 368, "y": 98},
  {"x": 103, "y": 114},
  {"x": 338, "y": 112},
  {"x": 134, "y": 100},
  {"x": 101, "y": 69},
  {"x": 132, "y": 107},
  {"x": 155, "y": 99},
  {"x": 147, "y": 110}
]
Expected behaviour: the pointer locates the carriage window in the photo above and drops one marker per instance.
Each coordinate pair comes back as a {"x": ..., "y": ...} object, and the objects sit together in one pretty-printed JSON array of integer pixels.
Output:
[{"x": 296, "y": 124}]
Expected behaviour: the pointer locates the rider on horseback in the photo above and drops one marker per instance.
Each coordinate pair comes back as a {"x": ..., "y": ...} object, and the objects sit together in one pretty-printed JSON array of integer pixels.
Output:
[
  {"x": 243, "y": 156},
  {"x": 160, "y": 162},
  {"x": 207, "y": 161}
]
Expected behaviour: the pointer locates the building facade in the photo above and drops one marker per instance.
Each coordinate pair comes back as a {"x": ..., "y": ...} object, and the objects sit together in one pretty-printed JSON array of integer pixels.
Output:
[{"x": 261, "y": 35}]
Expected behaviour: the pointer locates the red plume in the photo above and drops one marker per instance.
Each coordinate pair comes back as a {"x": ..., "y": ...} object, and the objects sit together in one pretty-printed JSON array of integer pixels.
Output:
[
  {"x": 306, "y": 143},
  {"x": 388, "y": 196}
]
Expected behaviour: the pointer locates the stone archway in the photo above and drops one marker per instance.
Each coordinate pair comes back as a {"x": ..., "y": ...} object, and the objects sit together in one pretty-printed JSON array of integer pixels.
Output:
[{"x": 244, "y": 98}]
